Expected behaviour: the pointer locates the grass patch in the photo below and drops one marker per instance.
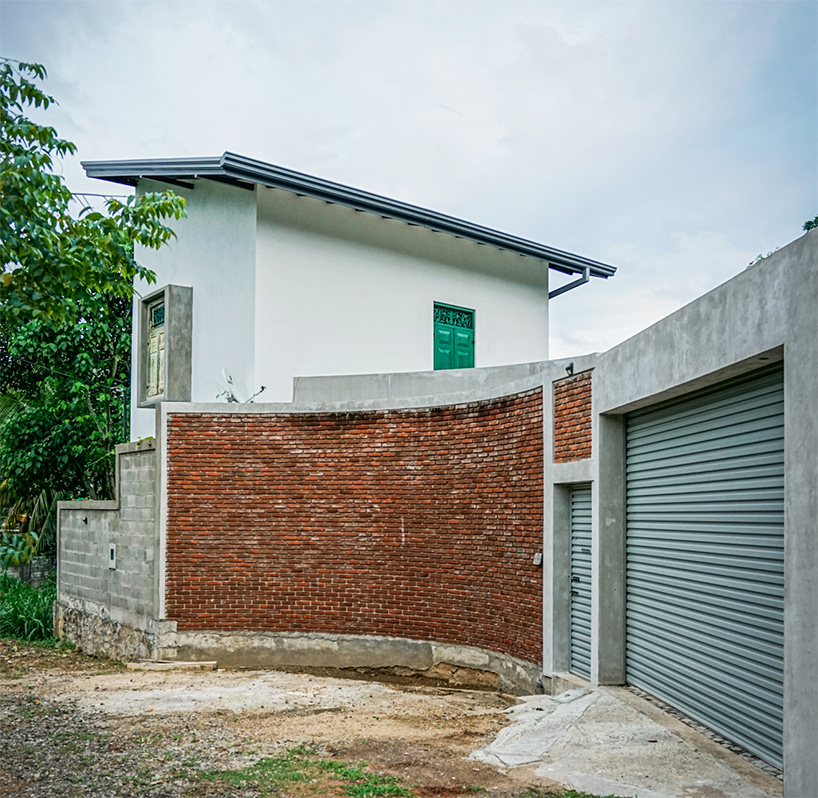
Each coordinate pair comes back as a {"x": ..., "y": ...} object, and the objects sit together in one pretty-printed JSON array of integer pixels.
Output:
[
  {"x": 301, "y": 772},
  {"x": 26, "y": 613}
]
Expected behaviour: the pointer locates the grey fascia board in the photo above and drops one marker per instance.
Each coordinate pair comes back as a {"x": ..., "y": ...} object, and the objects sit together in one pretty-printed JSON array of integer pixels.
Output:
[
  {"x": 241, "y": 168},
  {"x": 153, "y": 167}
]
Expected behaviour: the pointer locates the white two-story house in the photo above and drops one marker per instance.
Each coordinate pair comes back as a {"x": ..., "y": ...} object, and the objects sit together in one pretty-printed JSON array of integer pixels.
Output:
[{"x": 276, "y": 274}]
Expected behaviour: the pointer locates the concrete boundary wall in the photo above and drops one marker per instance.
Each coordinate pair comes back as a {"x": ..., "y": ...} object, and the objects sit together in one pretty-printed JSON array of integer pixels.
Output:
[{"x": 106, "y": 552}]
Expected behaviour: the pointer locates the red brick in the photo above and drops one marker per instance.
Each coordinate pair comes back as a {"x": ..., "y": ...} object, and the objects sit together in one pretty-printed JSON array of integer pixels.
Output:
[
  {"x": 409, "y": 523},
  {"x": 572, "y": 418}
]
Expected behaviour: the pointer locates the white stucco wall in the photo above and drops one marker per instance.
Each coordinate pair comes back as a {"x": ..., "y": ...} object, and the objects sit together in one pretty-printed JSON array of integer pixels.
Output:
[
  {"x": 214, "y": 252},
  {"x": 343, "y": 292},
  {"x": 287, "y": 286}
]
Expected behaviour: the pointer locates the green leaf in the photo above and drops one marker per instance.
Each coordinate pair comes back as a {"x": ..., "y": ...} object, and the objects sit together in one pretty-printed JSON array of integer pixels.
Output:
[
  {"x": 54, "y": 254},
  {"x": 65, "y": 314}
]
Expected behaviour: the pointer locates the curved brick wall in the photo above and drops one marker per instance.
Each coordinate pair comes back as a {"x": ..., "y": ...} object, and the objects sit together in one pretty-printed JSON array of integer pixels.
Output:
[{"x": 410, "y": 523}]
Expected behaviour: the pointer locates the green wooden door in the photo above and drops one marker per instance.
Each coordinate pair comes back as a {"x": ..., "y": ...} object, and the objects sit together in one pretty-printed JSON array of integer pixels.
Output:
[{"x": 454, "y": 337}]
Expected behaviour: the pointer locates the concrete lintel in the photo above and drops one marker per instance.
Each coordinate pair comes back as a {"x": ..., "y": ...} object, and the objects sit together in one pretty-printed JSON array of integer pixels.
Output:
[
  {"x": 88, "y": 504},
  {"x": 573, "y": 472}
]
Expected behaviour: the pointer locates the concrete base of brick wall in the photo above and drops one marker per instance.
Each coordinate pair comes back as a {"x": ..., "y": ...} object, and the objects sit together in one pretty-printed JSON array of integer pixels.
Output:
[
  {"x": 459, "y": 665},
  {"x": 91, "y": 630}
]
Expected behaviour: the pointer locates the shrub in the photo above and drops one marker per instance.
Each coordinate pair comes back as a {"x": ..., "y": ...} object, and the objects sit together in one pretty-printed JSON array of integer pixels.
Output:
[{"x": 26, "y": 612}]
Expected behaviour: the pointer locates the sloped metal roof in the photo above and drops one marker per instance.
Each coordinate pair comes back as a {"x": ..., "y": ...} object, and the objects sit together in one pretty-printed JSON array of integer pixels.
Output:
[{"x": 247, "y": 172}]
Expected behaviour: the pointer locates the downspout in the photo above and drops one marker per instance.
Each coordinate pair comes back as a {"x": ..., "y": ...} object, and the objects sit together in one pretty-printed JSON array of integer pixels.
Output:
[{"x": 586, "y": 275}]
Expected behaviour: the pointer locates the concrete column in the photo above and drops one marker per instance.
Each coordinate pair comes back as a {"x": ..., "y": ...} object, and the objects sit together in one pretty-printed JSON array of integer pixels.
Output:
[
  {"x": 608, "y": 552},
  {"x": 557, "y": 601},
  {"x": 801, "y": 541}
]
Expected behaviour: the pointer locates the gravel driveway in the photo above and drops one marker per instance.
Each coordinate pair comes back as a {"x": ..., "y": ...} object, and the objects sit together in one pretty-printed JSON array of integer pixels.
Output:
[{"x": 71, "y": 725}]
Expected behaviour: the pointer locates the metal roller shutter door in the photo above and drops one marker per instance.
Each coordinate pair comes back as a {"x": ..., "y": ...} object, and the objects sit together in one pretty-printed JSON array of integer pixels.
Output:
[
  {"x": 705, "y": 557},
  {"x": 581, "y": 580}
]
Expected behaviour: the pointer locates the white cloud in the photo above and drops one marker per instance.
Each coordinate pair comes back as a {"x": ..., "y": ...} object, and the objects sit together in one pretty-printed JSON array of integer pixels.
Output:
[{"x": 656, "y": 282}]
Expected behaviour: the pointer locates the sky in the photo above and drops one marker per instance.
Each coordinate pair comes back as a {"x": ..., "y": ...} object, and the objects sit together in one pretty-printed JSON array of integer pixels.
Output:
[{"x": 675, "y": 140}]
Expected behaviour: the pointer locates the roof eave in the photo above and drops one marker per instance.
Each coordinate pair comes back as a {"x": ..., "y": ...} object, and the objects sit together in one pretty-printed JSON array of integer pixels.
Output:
[{"x": 230, "y": 166}]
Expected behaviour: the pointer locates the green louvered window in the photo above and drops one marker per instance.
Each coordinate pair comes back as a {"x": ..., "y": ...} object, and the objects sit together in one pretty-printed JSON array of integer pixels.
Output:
[{"x": 453, "y": 337}]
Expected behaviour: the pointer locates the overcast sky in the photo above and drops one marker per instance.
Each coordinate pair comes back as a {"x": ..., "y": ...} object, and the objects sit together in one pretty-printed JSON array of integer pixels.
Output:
[{"x": 674, "y": 140}]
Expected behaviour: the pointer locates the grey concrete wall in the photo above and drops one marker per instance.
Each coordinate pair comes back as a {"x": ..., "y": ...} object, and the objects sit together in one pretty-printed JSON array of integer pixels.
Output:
[
  {"x": 396, "y": 390},
  {"x": 766, "y": 313},
  {"x": 801, "y": 520},
  {"x": 125, "y": 594}
]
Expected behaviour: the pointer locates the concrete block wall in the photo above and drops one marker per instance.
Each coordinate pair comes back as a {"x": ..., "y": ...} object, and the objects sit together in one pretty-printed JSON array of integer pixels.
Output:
[
  {"x": 87, "y": 588},
  {"x": 36, "y": 571}
]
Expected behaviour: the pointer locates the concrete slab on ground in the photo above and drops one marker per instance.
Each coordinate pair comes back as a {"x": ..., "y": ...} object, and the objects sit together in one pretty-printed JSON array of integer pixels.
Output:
[
  {"x": 175, "y": 665},
  {"x": 608, "y": 741}
]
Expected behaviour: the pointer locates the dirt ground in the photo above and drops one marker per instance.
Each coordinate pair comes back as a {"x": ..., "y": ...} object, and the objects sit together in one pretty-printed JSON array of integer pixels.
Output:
[{"x": 71, "y": 725}]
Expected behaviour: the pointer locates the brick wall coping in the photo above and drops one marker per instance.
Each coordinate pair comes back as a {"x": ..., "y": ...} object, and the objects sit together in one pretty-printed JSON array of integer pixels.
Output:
[
  {"x": 457, "y": 398},
  {"x": 396, "y": 386}
]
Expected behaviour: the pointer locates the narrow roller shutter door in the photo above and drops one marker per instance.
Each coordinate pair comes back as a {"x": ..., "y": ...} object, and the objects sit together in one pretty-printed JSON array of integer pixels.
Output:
[
  {"x": 705, "y": 557},
  {"x": 581, "y": 580}
]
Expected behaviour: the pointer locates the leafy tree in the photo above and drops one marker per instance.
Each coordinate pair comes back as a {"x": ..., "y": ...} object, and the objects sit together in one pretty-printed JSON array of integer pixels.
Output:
[
  {"x": 65, "y": 319},
  {"x": 810, "y": 224},
  {"x": 61, "y": 415},
  {"x": 59, "y": 431},
  {"x": 60, "y": 418},
  {"x": 51, "y": 258}
]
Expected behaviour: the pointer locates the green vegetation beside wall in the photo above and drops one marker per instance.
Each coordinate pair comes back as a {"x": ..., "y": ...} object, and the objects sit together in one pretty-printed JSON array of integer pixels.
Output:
[{"x": 26, "y": 612}]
